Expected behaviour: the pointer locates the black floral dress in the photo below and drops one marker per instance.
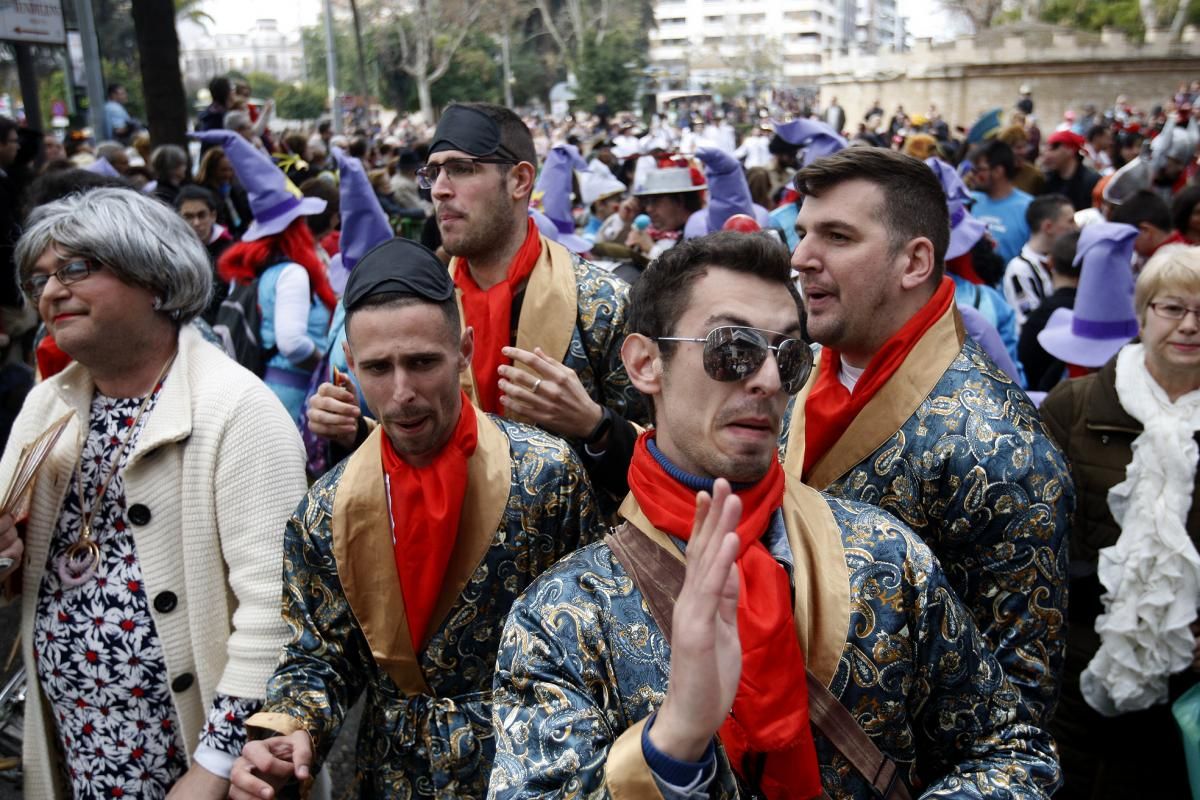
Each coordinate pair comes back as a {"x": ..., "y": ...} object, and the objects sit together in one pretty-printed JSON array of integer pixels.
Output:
[{"x": 100, "y": 663}]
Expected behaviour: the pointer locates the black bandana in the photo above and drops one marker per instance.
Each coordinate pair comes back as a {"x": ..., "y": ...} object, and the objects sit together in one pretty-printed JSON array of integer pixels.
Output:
[
  {"x": 470, "y": 130},
  {"x": 398, "y": 265}
]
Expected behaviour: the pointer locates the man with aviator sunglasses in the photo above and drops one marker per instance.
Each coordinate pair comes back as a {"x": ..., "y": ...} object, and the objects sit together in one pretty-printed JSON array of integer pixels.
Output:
[{"x": 623, "y": 672}]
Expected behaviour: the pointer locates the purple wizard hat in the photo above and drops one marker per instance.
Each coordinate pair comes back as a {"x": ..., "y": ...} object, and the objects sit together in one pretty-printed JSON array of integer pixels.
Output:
[
  {"x": 101, "y": 166},
  {"x": 364, "y": 225},
  {"x": 554, "y": 184},
  {"x": 1103, "y": 319},
  {"x": 274, "y": 202},
  {"x": 817, "y": 138},
  {"x": 728, "y": 194},
  {"x": 965, "y": 230}
]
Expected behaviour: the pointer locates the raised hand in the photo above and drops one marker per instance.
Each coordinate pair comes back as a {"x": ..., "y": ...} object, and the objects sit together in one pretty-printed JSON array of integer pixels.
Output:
[{"x": 706, "y": 654}]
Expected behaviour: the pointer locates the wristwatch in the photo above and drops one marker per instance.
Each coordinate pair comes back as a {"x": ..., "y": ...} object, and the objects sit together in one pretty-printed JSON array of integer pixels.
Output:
[{"x": 602, "y": 427}]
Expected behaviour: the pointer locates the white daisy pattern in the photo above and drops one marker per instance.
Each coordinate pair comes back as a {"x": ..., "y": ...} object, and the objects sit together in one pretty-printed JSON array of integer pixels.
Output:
[{"x": 98, "y": 657}]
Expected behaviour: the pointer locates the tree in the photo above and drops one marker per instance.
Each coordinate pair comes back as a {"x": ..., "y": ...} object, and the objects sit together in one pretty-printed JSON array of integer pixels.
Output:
[
  {"x": 429, "y": 37},
  {"x": 162, "y": 82},
  {"x": 300, "y": 102},
  {"x": 611, "y": 69}
]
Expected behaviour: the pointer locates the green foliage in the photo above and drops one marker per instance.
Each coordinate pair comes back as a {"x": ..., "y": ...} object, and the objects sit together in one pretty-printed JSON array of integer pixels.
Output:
[
  {"x": 304, "y": 102},
  {"x": 1092, "y": 15},
  {"x": 533, "y": 75},
  {"x": 474, "y": 74},
  {"x": 611, "y": 68},
  {"x": 263, "y": 85}
]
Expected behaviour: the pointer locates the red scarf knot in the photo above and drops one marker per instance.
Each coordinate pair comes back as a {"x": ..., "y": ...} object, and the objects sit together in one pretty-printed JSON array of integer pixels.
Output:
[
  {"x": 767, "y": 735},
  {"x": 489, "y": 312},
  {"x": 831, "y": 407},
  {"x": 425, "y": 506}
]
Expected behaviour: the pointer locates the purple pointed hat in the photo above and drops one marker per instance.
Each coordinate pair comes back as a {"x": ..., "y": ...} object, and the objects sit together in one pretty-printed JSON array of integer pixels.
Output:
[
  {"x": 555, "y": 186},
  {"x": 273, "y": 203},
  {"x": 817, "y": 138},
  {"x": 965, "y": 229},
  {"x": 364, "y": 225},
  {"x": 728, "y": 194},
  {"x": 102, "y": 166},
  {"x": 1103, "y": 319}
]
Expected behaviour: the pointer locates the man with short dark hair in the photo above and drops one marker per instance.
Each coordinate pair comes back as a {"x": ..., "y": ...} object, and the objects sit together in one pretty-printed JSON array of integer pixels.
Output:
[
  {"x": 402, "y": 562},
  {"x": 907, "y": 413},
  {"x": 997, "y": 202},
  {"x": 1149, "y": 213},
  {"x": 625, "y": 673},
  {"x": 1027, "y": 280},
  {"x": 198, "y": 208}
]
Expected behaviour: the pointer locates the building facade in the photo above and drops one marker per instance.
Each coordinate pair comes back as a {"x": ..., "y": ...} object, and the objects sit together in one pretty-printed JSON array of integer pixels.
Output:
[
  {"x": 763, "y": 43},
  {"x": 263, "y": 48}
]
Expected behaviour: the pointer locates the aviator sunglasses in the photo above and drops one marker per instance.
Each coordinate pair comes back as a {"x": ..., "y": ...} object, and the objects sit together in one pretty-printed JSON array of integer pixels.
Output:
[{"x": 733, "y": 353}]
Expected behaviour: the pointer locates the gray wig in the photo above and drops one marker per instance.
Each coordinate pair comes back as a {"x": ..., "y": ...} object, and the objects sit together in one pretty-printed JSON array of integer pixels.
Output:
[{"x": 142, "y": 241}]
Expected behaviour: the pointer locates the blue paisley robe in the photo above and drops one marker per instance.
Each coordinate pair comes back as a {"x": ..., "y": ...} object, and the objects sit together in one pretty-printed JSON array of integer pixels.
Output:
[
  {"x": 426, "y": 730},
  {"x": 582, "y": 665},
  {"x": 955, "y": 450}
]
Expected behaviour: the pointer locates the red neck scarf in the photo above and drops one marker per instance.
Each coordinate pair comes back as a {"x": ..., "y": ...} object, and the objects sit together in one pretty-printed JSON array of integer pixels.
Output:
[
  {"x": 767, "y": 734},
  {"x": 425, "y": 504},
  {"x": 51, "y": 360},
  {"x": 831, "y": 408},
  {"x": 489, "y": 312}
]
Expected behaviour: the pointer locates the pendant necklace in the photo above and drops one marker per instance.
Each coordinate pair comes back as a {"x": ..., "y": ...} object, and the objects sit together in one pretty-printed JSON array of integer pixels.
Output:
[{"x": 78, "y": 563}]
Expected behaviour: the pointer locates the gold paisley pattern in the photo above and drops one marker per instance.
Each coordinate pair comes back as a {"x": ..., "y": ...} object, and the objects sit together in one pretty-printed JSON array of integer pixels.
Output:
[
  {"x": 974, "y": 473},
  {"x": 595, "y": 349},
  {"x": 581, "y": 661},
  {"x": 423, "y": 746}
]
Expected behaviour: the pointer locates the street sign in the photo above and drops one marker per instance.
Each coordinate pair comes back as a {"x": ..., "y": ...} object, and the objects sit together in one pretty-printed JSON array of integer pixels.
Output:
[{"x": 35, "y": 21}]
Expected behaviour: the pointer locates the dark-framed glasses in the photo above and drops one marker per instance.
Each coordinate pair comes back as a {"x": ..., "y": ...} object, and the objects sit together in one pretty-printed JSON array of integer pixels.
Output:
[
  {"x": 735, "y": 352},
  {"x": 1175, "y": 311},
  {"x": 456, "y": 169},
  {"x": 71, "y": 272}
]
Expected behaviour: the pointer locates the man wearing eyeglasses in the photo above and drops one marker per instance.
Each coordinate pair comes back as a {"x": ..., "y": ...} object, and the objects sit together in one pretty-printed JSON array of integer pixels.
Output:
[
  {"x": 905, "y": 412},
  {"x": 548, "y": 325},
  {"x": 623, "y": 672}
]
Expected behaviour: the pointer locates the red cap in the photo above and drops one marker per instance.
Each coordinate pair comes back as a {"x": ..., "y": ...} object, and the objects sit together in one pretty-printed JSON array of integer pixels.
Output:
[{"x": 1067, "y": 138}]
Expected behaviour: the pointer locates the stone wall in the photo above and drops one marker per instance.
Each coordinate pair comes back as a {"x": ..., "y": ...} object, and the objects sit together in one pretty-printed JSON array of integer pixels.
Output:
[{"x": 968, "y": 76}]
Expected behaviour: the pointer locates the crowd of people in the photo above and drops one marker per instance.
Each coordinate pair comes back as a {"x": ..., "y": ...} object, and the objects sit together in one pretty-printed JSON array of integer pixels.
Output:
[{"x": 746, "y": 451}]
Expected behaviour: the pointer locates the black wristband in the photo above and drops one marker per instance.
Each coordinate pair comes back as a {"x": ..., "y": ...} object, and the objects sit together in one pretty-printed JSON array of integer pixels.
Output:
[{"x": 602, "y": 427}]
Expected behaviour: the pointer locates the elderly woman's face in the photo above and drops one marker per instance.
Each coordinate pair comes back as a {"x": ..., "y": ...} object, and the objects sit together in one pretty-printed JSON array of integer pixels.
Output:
[
  {"x": 1172, "y": 345},
  {"x": 92, "y": 314}
]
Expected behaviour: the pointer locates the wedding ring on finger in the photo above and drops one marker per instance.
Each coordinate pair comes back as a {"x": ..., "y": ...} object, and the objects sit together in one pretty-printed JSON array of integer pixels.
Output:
[{"x": 533, "y": 389}]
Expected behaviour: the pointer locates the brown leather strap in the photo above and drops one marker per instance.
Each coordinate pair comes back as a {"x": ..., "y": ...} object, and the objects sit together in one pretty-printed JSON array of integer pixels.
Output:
[{"x": 659, "y": 577}]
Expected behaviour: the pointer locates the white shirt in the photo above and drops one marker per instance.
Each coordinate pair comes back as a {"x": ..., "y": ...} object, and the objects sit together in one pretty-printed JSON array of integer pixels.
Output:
[{"x": 848, "y": 375}]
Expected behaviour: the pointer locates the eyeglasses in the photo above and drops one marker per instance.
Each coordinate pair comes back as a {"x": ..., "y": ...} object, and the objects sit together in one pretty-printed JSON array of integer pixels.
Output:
[
  {"x": 734, "y": 353},
  {"x": 67, "y": 274},
  {"x": 1174, "y": 311},
  {"x": 456, "y": 169}
]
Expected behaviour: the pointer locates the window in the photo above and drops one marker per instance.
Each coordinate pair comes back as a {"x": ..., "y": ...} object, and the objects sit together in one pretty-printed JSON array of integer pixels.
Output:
[{"x": 272, "y": 62}]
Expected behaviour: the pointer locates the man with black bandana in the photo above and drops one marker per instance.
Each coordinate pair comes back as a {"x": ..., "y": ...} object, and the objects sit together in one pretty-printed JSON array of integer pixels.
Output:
[
  {"x": 402, "y": 562},
  {"x": 548, "y": 326}
]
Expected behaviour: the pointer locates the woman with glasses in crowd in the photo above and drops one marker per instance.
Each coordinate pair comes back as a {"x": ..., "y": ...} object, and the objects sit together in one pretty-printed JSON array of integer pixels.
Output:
[
  {"x": 152, "y": 548},
  {"x": 1129, "y": 431}
]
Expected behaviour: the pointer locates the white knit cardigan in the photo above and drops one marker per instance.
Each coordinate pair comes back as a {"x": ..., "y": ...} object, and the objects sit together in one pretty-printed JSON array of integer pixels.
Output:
[{"x": 220, "y": 466}]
